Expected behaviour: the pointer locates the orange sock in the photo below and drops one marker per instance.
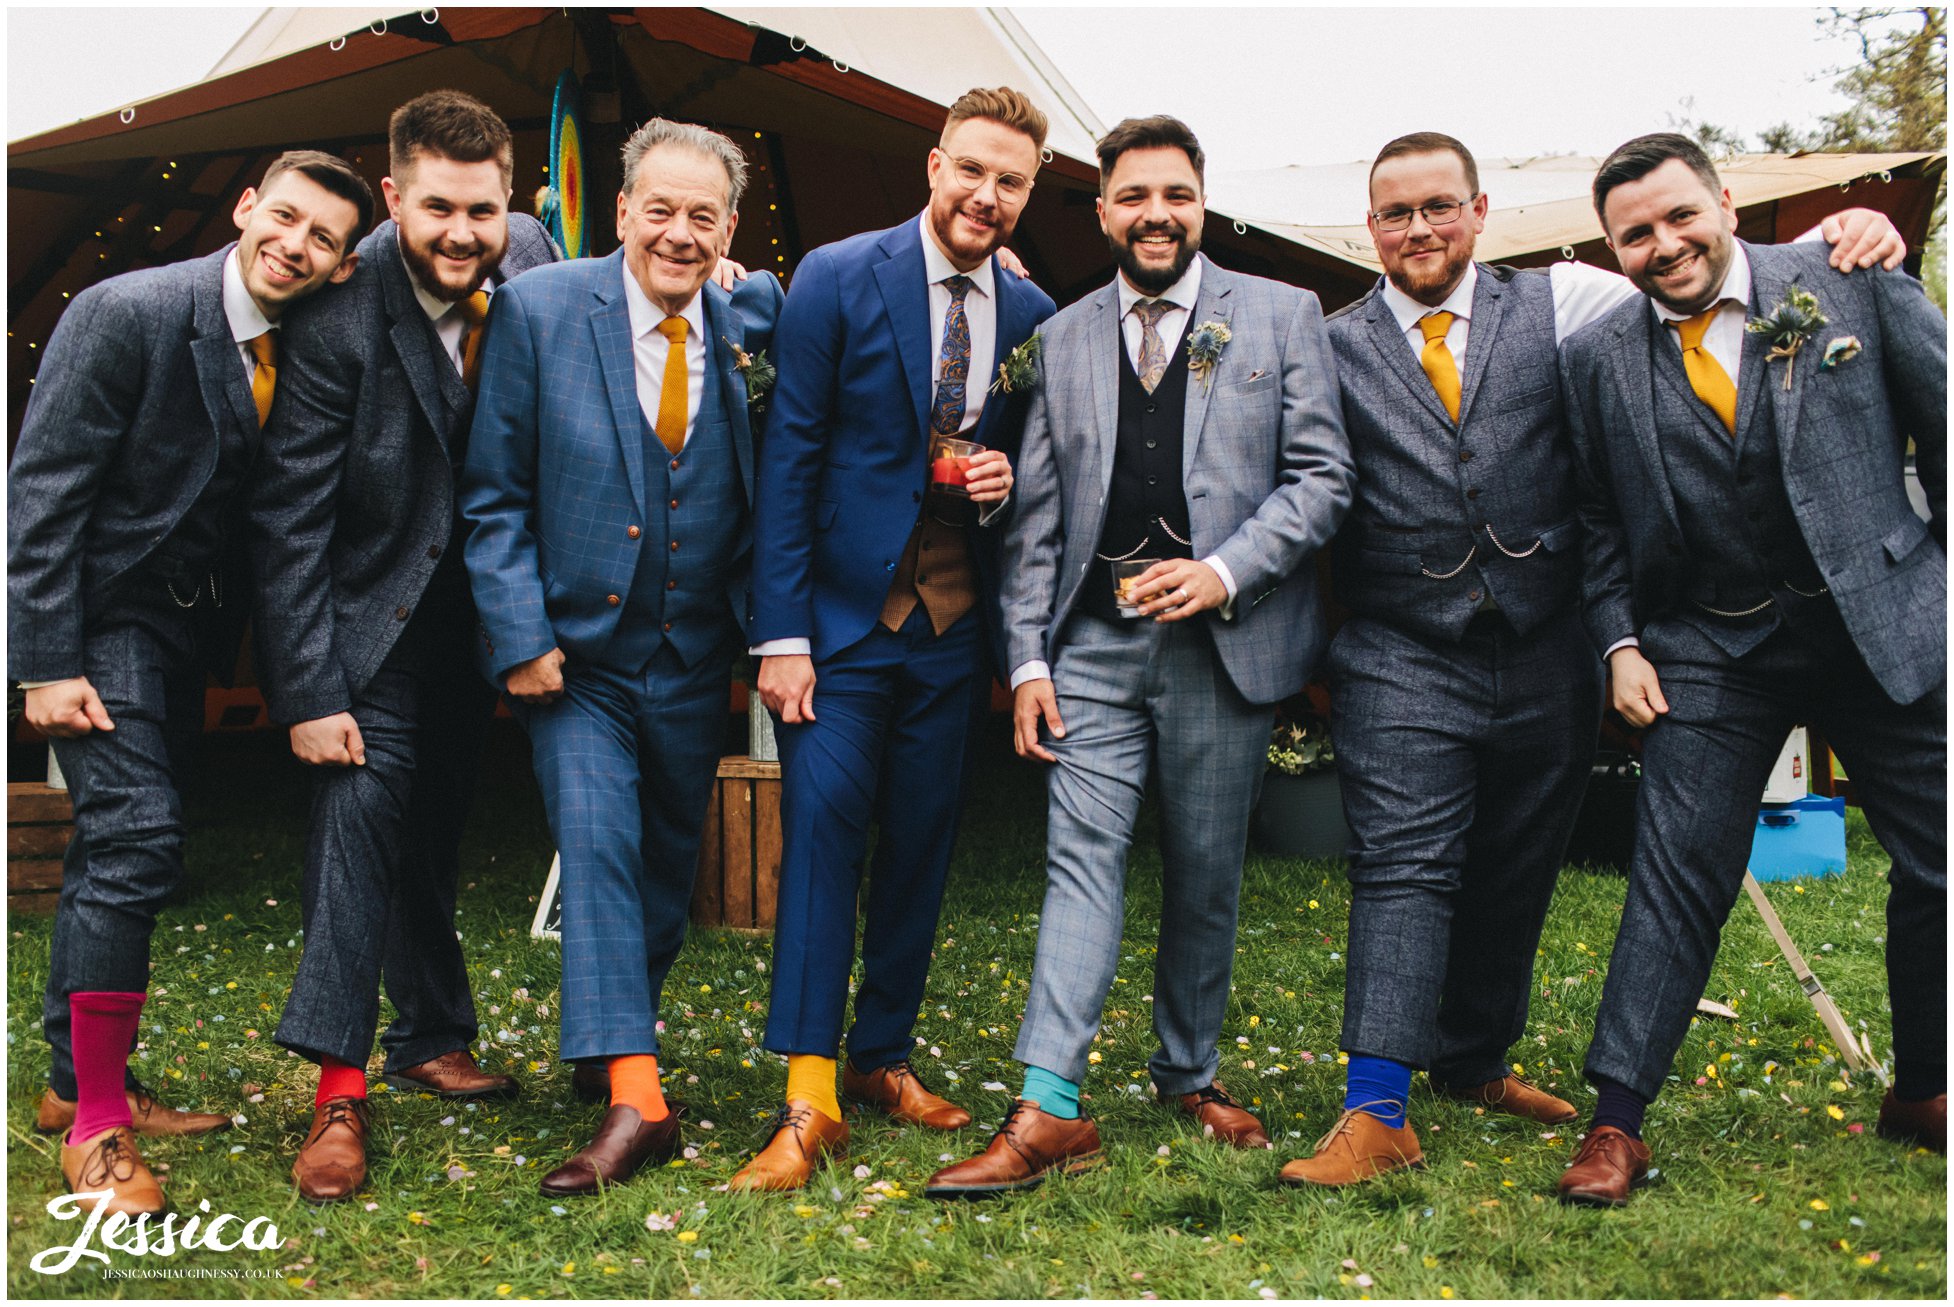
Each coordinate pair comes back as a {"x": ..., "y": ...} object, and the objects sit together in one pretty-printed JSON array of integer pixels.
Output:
[{"x": 634, "y": 1083}]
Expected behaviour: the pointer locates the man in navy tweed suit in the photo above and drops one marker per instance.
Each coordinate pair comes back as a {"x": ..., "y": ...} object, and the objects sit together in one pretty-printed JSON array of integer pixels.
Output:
[
  {"x": 609, "y": 480},
  {"x": 1753, "y": 560},
  {"x": 136, "y": 447},
  {"x": 366, "y": 628}
]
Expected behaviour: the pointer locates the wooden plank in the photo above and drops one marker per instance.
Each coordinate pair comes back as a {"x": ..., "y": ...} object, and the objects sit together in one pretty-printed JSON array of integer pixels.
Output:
[
  {"x": 766, "y": 851},
  {"x": 39, "y": 904},
  {"x": 33, "y": 874},
  {"x": 709, "y": 882},
  {"x": 31, "y": 801},
  {"x": 737, "y": 855},
  {"x": 37, "y": 841},
  {"x": 748, "y": 768}
]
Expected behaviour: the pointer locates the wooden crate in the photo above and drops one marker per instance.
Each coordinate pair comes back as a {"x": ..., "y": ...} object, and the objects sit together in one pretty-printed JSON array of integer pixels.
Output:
[
  {"x": 40, "y": 822},
  {"x": 739, "y": 852}
]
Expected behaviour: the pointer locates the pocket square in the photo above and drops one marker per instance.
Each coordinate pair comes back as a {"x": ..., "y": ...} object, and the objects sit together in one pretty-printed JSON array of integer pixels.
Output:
[
  {"x": 1840, "y": 349},
  {"x": 1256, "y": 375}
]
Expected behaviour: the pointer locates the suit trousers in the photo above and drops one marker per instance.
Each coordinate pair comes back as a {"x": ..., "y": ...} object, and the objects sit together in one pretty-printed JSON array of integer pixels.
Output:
[
  {"x": 1140, "y": 697},
  {"x": 383, "y": 856},
  {"x": 893, "y": 717},
  {"x": 1462, "y": 767},
  {"x": 1704, "y": 764},
  {"x": 126, "y": 857},
  {"x": 626, "y": 762}
]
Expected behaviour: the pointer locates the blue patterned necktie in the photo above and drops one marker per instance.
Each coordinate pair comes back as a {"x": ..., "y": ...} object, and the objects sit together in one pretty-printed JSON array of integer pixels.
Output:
[
  {"x": 1153, "y": 351},
  {"x": 946, "y": 414}
]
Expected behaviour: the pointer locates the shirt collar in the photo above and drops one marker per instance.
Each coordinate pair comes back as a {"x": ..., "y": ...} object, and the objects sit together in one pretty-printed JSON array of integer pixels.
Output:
[
  {"x": 937, "y": 265},
  {"x": 1182, "y": 294},
  {"x": 645, "y": 316},
  {"x": 1736, "y": 286},
  {"x": 1409, "y": 312},
  {"x": 247, "y": 321}
]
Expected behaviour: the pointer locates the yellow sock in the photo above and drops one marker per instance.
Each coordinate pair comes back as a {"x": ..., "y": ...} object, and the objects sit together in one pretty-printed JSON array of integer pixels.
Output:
[
  {"x": 634, "y": 1083},
  {"x": 812, "y": 1079}
]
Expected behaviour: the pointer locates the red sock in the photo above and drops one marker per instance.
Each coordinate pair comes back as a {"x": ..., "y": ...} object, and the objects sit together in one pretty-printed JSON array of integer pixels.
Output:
[
  {"x": 103, "y": 1029},
  {"x": 339, "y": 1079},
  {"x": 634, "y": 1083}
]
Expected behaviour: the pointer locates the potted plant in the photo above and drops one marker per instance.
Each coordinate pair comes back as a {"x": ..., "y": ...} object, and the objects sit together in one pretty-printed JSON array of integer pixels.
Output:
[{"x": 1300, "y": 813}]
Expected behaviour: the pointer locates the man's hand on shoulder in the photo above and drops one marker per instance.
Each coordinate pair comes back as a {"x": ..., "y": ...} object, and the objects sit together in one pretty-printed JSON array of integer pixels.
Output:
[
  {"x": 1861, "y": 238},
  {"x": 538, "y": 681},
  {"x": 729, "y": 274},
  {"x": 333, "y": 741},
  {"x": 786, "y": 685},
  {"x": 1012, "y": 264},
  {"x": 67, "y": 709}
]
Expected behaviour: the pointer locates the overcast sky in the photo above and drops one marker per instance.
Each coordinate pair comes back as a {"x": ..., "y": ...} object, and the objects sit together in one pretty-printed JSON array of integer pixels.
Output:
[{"x": 1261, "y": 86}]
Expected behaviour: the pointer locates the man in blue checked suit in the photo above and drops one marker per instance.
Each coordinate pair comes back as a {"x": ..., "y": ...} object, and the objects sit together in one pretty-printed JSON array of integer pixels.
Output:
[
  {"x": 610, "y": 473},
  {"x": 868, "y": 619}
]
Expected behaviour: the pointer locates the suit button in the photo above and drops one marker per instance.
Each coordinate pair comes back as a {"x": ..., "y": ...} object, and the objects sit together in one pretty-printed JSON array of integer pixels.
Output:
[
  {"x": 675, "y": 546},
  {"x": 1153, "y": 444},
  {"x": 1465, "y": 456},
  {"x": 612, "y": 600},
  {"x": 888, "y": 567},
  {"x": 668, "y": 626},
  {"x": 671, "y": 585},
  {"x": 922, "y": 580},
  {"x": 674, "y": 465},
  {"x": 1473, "y": 493},
  {"x": 633, "y": 532},
  {"x": 434, "y": 551},
  {"x": 400, "y": 614},
  {"x": 1153, "y": 481},
  {"x": 1473, "y": 595},
  {"x": 1152, "y": 407},
  {"x": 674, "y": 503}
]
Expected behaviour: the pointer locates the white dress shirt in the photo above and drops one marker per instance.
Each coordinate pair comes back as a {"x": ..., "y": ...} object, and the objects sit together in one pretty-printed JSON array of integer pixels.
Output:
[
  {"x": 650, "y": 350},
  {"x": 241, "y": 313},
  {"x": 449, "y": 325}
]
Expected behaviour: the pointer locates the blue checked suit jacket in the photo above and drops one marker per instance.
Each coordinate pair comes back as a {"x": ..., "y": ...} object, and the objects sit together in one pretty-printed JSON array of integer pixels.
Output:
[
  {"x": 1265, "y": 465},
  {"x": 1842, "y": 435},
  {"x": 119, "y": 439},
  {"x": 847, "y": 437},
  {"x": 555, "y": 472}
]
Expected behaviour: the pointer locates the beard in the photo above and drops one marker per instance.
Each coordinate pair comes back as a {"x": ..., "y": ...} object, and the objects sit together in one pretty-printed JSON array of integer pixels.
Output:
[
  {"x": 1148, "y": 280},
  {"x": 1432, "y": 287},
  {"x": 1716, "y": 259},
  {"x": 420, "y": 262}
]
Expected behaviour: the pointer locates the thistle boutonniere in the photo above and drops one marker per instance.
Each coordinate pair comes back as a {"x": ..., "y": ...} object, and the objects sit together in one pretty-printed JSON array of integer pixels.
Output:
[
  {"x": 1019, "y": 370},
  {"x": 757, "y": 371},
  {"x": 1789, "y": 324},
  {"x": 1205, "y": 345},
  {"x": 1840, "y": 349}
]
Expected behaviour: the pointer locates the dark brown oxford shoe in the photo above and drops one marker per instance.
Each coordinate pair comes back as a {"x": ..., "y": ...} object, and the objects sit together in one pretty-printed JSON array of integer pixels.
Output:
[
  {"x": 624, "y": 1143},
  {"x": 147, "y": 1116},
  {"x": 1923, "y": 1123},
  {"x": 1030, "y": 1145},
  {"x": 455, "y": 1075},
  {"x": 898, "y": 1091},
  {"x": 1221, "y": 1117},
  {"x": 1608, "y": 1165}
]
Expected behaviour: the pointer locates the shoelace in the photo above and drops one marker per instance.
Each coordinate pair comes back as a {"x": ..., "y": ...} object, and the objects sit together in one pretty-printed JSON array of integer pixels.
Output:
[
  {"x": 339, "y": 1111},
  {"x": 785, "y": 1117},
  {"x": 1214, "y": 1093},
  {"x": 112, "y": 1158}
]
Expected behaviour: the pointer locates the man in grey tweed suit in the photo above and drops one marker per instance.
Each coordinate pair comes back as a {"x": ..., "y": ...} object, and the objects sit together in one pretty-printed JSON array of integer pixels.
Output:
[
  {"x": 1186, "y": 414},
  {"x": 136, "y": 448},
  {"x": 1752, "y": 560},
  {"x": 366, "y": 628}
]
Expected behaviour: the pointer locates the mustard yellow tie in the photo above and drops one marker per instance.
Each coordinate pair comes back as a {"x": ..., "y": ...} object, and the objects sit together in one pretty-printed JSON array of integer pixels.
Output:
[
  {"x": 264, "y": 377},
  {"x": 1706, "y": 376},
  {"x": 472, "y": 311},
  {"x": 673, "y": 399},
  {"x": 1437, "y": 360}
]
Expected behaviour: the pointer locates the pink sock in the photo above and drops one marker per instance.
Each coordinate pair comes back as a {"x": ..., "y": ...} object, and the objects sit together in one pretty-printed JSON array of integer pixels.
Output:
[
  {"x": 104, "y": 1027},
  {"x": 339, "y": 1079}
]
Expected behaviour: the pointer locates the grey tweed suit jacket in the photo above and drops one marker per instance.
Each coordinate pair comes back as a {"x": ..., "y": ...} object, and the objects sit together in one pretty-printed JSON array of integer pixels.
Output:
[
  {"x": 1265, "y": 466},
  {"x": 355, "y": 504},
  {"x": 1842, "y": 433}
]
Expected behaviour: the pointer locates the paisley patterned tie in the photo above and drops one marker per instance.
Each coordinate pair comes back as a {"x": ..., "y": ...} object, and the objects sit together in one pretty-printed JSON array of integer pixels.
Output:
[
  {"x": 1153, "y": 351},
  {"x": 946, "y": 414}
]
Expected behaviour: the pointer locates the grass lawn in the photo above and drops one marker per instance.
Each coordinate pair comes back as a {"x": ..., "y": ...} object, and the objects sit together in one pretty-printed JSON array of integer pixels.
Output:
[{"x": 1771, "y": 1179}]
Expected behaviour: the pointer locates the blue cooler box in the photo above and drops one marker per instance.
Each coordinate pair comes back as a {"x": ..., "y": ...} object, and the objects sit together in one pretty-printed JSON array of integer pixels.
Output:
[{"x": 1802, "y": 838}]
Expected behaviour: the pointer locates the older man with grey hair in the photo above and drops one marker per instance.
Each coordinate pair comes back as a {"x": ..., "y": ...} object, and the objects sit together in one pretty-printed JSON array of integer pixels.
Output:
[{"x": 609, "y": 482}]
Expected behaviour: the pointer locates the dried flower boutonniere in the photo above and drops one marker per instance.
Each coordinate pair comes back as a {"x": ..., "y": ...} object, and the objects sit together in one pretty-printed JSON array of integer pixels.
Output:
[
  {"x": 757, "y": 371},
  {"x": 1204, "y": 349},
  {"x": 1790, "y": 323},
  {"x": 1019, "y": 370}
]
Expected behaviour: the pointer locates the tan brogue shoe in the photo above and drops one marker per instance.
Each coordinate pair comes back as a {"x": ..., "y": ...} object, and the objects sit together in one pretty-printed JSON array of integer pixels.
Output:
[
  {"x": 900, "y": 1092},
  {"x": 110, "y": 1161},
  {"x": 802, "y": 1136},
  {"x": 1030, "y": 1145},
  {"x": 1514, "y": 1096},
  {"x": 454, "y": 1075},
  {"x": 1923, "y": 1123},
  {"x": 147, "y": 1116},
  {"x": 624, "y": 1143},
  {"x": 1608, "y": 1165},
  {"x": 1221, "y": 1117},
  {"x": 331, "y": 1164},
  {"x": 1356, "y": 1148}
]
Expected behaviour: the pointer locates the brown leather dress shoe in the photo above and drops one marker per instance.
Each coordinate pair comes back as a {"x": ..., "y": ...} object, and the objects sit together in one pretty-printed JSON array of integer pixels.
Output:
[
  {"x": 1221, "y": 1117},
  {"x": 1923, "y": 1123},
  {"x": 900, "y": 1092},
  {"x": 455, "y": 1075},
  {"x": 591, "y": 1082},
  {"x": 149, "y": 1117},
  {"x": 802, "y": 1136},
  {"x": 1608, "y": 1165},
  {"x": 1356, "y": 1148},
  {"x": 331, "y": 1164},
  {"x": 622, "y": 1146},
  {"x": 110, "y": 1161},
  {"x": 1514, "y": 1096},
  {"x": 1030, "y": 1145}
]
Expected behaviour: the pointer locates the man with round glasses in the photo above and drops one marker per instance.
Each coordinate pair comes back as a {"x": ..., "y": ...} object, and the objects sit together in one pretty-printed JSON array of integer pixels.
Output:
[{"x": 1466, "y": 698}]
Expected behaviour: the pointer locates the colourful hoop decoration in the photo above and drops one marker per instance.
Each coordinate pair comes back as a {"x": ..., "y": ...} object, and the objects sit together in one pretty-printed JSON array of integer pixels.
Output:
[{"x": 566, "y": 212}]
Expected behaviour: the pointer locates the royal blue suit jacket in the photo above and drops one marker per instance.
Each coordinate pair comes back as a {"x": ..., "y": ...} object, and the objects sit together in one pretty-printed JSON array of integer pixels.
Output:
[
  {"x": 555, "y": 477},
  {"x": 848, "y": 435}
]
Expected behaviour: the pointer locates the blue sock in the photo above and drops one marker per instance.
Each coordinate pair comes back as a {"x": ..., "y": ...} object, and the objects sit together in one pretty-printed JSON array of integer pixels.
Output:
[
  {"x": 1619, "y": 1106},
  {"x": 1055, "y": 1095},
  {"x": 1379, "y": 1086}
]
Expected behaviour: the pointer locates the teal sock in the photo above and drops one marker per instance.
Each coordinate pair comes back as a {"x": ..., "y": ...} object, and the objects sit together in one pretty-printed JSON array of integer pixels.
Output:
[{"x": 1055, "y": 1095}]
